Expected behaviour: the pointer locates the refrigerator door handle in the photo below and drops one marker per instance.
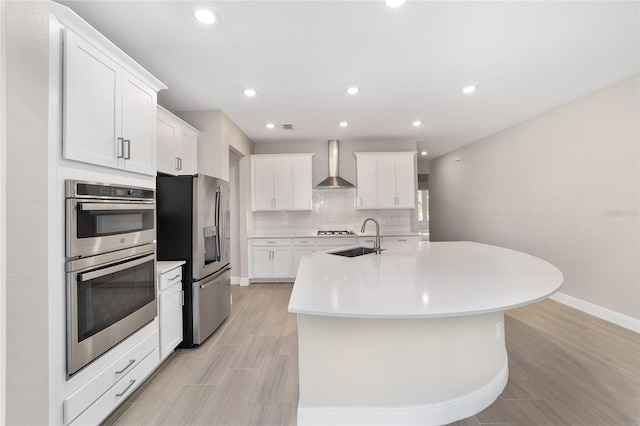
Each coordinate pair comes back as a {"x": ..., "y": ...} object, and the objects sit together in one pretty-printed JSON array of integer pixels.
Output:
[{"x": 218, "y": 245}]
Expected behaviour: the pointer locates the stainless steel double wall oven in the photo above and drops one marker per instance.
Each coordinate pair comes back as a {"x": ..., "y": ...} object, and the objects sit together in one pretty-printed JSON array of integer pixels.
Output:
[{"x": 110, "y": 266}]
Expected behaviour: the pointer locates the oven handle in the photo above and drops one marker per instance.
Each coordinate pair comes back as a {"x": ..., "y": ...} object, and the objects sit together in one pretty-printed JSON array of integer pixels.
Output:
[
  {"x": 111, "y": 206},
  {"x": 87, "y": 276}
]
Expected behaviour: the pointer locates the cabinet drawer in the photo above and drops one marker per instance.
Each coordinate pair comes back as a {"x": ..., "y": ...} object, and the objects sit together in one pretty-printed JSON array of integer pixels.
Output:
[
  {"x": 111, "y": 399},
  {"x": 169, "y": 278},
  {"x": 336, "y": 241},
  {"x": 366, "y": 240},
  {"x": 402, "y": 239},
  {"x": 87, "y": 394},
  {"x": 304, "y": 242},
  {"x": 270, "y": 242}
]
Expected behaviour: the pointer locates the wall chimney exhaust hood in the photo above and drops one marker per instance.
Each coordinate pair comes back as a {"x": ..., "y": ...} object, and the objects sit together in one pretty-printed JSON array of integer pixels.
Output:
[{"x": 334, "y": 181}]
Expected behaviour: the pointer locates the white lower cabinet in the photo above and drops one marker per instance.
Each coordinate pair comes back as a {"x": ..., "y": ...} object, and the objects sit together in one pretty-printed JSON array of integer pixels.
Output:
[
  {"x": 302, "y": 247},
  {"x": 402, "y": 239},
  {"x": 272, "y": 258},
  {"x": 171, "y": 301},
  {"x": 330, "y": 243},
  {"x": 95, "y": 400}
]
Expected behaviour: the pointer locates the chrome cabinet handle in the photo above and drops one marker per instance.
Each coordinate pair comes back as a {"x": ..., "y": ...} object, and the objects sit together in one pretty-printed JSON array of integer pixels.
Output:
[
  {"x": 177, "y": 163},
  {"x": 121, "y": 140},
  {"x": 131, "y": 362},
  {"x": 131, "y": 383},
  {"x": 128, "y": 142},
  {"x": 174, "y": 278},
  {"x": 182, "y": 298}
]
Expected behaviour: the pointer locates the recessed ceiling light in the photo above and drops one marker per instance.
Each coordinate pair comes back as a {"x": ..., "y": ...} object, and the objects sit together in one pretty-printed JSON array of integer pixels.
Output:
[
  {"x": 343, "y": 124},
  {"x": 353, "y": 90},
  {"x": 423, "y": 153},
  {"x": 270, "y": 125},
  {"x": 205, "y": 16},
  {"x": 417, "y": 123},
  {"x": 469, "y": 89},
  {"x": 249, "y": 92},
  {"x": 394, "y": 3}
]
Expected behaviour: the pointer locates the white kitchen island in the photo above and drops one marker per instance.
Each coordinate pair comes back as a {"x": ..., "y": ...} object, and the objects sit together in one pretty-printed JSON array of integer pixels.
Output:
[{"x": 414, "y": 335}]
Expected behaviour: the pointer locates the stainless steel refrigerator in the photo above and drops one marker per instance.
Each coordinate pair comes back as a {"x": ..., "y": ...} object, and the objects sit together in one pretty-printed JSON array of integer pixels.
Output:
[{"x": 193, "y": 225}]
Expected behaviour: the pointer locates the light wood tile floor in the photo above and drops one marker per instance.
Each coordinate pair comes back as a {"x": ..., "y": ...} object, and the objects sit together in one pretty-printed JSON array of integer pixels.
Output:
[{"x": 566, "y": 368}]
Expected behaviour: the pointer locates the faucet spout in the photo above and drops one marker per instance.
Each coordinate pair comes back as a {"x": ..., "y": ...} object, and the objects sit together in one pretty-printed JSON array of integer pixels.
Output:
[{"x": 376, "y": 244}]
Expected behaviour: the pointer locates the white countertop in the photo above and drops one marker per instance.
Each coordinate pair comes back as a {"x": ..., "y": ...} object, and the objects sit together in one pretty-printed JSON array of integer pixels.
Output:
[
  {"x": 167, "y": 265},
  {"x": 422, "y": 280}
]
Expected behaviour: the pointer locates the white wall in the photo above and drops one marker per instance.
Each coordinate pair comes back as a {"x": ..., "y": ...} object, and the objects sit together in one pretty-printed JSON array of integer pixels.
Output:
[
  {"x": 3, "y": 215},
  {"x": 27, "y": 210},
  {"x": 332, "y": 209},
  {"x": 563, "y": 186}
]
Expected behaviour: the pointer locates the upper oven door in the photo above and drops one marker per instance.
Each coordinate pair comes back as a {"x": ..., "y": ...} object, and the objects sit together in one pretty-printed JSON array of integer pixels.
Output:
[{"x": 99, "y": 226}]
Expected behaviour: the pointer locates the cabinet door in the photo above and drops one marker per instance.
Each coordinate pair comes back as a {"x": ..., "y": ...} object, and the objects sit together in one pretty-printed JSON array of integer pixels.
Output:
[
  {"x": 139, "y": 106},
  {"x": 91, "y": 100},
  {"x": 367, "y": 182},
  {"x": 298, "y": 252},
  {"x": 282, "y": 262},
  {"x": 301, "y": 183},
  {"x": 186, "y": 148},
  {"x": 405, "y": 182},
  {"x": 387, "y": 182},
  {"x": 282, "y": 184},
  {"x": 261, "y": 262},
  {"x": 262, "y": 184},
  {"x": 170, "y": 319},
  {"x": 167, "y": 156}
]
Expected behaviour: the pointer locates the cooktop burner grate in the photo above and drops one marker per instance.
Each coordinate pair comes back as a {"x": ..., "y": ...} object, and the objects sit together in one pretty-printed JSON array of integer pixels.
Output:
[{"x": 336, "y": 233}]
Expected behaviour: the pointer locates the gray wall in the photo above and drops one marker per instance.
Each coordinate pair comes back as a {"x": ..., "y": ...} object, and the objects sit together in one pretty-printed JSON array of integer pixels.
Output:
[
  {"x": 563, "y": 186},
  {"x": 27, "y": 293},
  {"x": 346, "y": 159}
]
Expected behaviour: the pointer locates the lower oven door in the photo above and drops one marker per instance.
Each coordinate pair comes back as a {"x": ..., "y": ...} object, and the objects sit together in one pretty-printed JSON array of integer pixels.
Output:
[{"x": 109, "y": 297}]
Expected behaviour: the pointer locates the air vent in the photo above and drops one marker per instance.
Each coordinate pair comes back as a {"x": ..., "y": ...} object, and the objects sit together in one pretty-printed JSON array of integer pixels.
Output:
[{"x": 287, "y": 127}]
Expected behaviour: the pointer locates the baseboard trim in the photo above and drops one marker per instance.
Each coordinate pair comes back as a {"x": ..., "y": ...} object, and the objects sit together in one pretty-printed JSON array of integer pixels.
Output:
[
  {"x": 235, "y": 280},
  {"x": 244, "y": 282},
  {"x": 614, "y": 317},
  {"x": 429, "y": 414}
]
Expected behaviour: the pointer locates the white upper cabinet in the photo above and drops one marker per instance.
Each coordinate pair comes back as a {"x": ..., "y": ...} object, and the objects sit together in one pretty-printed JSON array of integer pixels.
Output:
[
  {"x": 385, "y": 180},
  {"x": 281, "y": 182},
  {"x": 301, "y": 184},
  {"x": 177, "y": 145},
  {"x": 108, "y": 102},
  {"x": 92, "y": 89},
  {"x": 139, "y": 103}
]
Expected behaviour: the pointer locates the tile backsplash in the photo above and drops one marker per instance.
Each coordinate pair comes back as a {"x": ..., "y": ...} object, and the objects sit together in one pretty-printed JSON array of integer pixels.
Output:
[{"x": 333, "y": 209}]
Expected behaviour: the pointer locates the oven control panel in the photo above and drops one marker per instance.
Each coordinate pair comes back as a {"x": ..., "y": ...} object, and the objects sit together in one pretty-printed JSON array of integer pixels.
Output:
[{"x": 103, "y": 190}]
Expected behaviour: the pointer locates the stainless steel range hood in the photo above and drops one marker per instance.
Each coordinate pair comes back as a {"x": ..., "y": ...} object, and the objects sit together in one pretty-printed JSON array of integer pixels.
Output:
[{"x": 334, "y": 181}]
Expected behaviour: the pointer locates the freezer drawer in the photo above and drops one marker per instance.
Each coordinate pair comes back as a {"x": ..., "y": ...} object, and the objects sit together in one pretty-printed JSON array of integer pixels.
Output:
[{"x": 211, "y": 304}]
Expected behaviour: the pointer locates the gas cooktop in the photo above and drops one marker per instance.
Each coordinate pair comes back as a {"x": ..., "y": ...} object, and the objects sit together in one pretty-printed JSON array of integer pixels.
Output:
[{"x": 336, "y": 233}]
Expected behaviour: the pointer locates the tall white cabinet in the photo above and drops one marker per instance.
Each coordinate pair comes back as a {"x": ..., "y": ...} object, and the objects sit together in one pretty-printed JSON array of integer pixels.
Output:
[
  {"x": 109, "y": 109},
  {"x": 281, "y": 182},
  {"x": 177, "y": 145},
  {"x": 385, "y": 180}
]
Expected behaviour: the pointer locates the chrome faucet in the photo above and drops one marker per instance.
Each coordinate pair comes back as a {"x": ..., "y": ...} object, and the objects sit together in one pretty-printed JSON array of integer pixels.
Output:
[{"x": 376, "y": 244}]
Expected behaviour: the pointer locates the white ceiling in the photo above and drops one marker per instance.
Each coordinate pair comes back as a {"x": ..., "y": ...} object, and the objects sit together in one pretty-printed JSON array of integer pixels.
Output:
[{"x": 411, "y": 62}]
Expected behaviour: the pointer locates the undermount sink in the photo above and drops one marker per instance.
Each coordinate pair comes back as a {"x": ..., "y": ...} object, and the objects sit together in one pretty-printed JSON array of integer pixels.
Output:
[{"x": 354, "y": 252}]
